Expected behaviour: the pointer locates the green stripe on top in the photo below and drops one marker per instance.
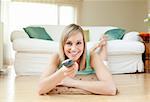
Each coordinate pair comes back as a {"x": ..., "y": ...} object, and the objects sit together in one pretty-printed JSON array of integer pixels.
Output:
[{"x": 88, "y": 69}]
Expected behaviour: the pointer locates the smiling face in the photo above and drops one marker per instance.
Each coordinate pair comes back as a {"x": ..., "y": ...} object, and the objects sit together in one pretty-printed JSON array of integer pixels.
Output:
[{"x": 74, "y": 46}]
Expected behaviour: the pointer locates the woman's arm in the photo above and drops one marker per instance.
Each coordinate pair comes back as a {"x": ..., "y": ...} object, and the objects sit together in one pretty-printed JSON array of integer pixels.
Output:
[
  {"x": 105, "y": 84},
  {"x": 52, "y": 77},
  {"x": 105, "y": 87},
  {"x": 96, "y": 87}
]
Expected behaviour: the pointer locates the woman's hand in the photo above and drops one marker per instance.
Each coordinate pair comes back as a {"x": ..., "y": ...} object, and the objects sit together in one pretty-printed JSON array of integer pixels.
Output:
[
  {"x": 67, "y": 81},
  {"x": 70, "y": 71},
  {"x": 99, "y": 44}
]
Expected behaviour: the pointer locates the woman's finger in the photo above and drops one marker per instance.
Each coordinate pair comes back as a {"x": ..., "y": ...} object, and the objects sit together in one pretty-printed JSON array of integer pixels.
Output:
[
  {"x": 69, "y": 73},
  {"x": 94, "y": 47}
]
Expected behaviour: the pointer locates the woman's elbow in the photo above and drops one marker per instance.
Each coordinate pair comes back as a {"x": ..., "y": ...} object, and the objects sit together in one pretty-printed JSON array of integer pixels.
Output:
[
  {"x": 108, "y": 89},
  {"x": 41, "y": 89},
  {"x": 40, "y": 92},
  {"x": 111, "y": 89}
]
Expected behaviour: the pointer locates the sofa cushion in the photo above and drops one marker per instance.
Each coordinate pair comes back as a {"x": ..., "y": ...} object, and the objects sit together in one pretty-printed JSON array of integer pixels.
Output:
[
  {"x": 132, "y": 36},
  {"x": 95, "y": 32},
  {"x": 114, "y": 34},
  {"x": 35, "y": 46},
  {"x": 55, "y": 31},
  {"x": 120, "y": 47},
  {"x": 18, "y": 34},
  {"x": 37, "y": 32}
]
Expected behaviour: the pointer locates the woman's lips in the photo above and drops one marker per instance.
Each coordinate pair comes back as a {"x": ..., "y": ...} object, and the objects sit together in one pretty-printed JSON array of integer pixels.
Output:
[{"x": 73, "y": 54}]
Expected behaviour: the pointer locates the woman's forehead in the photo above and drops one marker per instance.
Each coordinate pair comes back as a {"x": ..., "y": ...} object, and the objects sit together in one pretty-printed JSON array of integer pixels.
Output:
[{"x": 75, "y": 36}]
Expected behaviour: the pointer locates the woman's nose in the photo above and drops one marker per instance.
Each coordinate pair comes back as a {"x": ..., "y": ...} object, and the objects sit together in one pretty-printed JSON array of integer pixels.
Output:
[{"x": 73, "y": 48}]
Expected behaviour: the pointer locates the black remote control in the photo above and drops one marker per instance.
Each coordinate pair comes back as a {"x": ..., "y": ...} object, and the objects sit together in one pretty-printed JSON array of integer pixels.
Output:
[{"x": 67, "y": 63}]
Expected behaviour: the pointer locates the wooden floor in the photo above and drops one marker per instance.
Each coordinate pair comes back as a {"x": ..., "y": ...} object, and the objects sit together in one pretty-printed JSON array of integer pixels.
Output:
[{"x": 132, "y": 88}]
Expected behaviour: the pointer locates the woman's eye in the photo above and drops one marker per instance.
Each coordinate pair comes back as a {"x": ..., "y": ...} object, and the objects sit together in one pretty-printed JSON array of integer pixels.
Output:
[
  {"x": 69, "y": 43},
  {"x": 78, "y": 43}
]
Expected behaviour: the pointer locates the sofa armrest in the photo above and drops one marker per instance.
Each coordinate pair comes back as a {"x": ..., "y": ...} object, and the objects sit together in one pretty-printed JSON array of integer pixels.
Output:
[
  {"x": 35, "y": 45},
  {"x": 18, "y": 34}
]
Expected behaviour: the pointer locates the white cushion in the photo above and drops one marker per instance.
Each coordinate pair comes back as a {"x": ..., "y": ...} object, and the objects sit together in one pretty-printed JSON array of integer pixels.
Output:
[
  {"x": 116, "y": 47},
  {"x": 95, "y": 32},
  {"x": 35, "y": 45},
  {"x": 54, "y": 31},
  {"x": 18, "y": 34},
  {"x": 132, "y": 36}
]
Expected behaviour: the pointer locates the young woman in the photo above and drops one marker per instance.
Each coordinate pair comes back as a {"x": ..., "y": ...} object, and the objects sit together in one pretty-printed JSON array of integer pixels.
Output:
[{"x": 73, "y": 46}]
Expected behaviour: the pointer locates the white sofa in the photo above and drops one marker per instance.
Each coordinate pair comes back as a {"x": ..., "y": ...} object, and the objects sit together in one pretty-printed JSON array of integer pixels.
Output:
[{"x": 33, "y": 55}]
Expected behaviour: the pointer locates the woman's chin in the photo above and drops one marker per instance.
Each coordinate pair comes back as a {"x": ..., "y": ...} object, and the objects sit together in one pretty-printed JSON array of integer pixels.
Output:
[{"x": 74, "y": 58}]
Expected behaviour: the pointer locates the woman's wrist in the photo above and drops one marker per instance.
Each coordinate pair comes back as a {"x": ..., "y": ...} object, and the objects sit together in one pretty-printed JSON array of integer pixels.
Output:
[
  {"x": 61, "y": 73},
  {"x": 69, "y": 82}
]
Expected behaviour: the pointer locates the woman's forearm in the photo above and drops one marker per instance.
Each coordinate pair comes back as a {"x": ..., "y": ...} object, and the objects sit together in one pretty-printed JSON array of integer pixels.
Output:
[
  {"x": 97, "y": 87},
  {"x": 50, "y": 82}
]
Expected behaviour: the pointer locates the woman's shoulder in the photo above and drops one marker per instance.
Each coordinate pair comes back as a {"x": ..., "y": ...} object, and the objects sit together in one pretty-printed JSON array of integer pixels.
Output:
[
  {"x": 54, "y": 54},
  {"x": 54, "y": 58}
]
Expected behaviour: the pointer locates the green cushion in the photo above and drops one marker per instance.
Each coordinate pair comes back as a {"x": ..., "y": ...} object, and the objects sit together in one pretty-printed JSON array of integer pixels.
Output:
[
  {"x": 115, "y": 34},
  {"x": 37, "y": 32}
]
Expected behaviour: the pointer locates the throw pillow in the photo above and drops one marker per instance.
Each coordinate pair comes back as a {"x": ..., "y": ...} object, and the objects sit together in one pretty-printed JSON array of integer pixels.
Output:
[
  {"x": 37, "y": 32},
  {"x": 132, "y": 36},
  {"x": 86, "y": 35},
  {"x": 115, "y": 34}
]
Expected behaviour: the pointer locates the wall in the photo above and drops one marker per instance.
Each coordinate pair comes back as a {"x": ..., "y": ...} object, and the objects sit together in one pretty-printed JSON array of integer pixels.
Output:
[
  {"x": 128, "y": 14},
  {"x": 148, "y": 6}
]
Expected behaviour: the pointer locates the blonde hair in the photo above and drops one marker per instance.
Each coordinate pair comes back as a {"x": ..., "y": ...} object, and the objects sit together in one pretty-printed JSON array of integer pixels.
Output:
[{"x": 68, "y": 31}]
